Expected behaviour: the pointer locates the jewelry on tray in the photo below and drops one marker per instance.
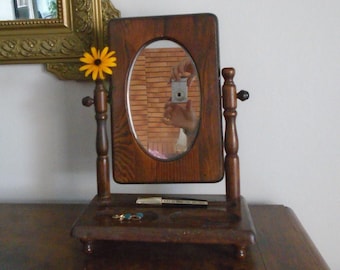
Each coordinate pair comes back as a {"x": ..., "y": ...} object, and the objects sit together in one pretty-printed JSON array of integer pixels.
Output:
[{"x": 128, "y": 216}]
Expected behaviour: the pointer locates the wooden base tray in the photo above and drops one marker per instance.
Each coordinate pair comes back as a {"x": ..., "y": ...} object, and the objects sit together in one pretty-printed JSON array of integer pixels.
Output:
[{"x": 222, "y": 222}]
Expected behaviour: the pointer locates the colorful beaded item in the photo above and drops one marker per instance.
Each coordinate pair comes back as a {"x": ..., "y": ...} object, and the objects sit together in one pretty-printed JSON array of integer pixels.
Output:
[{"x": 128, "y": 216}]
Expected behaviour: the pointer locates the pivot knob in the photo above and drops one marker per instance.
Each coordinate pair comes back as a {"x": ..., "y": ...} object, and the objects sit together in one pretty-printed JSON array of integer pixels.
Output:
[
  {"x": 243, "y": 95},
  {"x": 87, "y": 101}
]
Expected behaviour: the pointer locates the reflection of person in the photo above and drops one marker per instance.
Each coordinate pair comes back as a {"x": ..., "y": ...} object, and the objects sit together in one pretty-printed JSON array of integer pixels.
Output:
[
  {"x": 184, "y": 69},
  {"x": 182, "y": 115}
]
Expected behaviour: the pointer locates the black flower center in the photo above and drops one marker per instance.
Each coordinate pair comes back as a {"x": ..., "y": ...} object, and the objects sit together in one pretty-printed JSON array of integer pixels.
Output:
[{"x": 97, "y": 62}]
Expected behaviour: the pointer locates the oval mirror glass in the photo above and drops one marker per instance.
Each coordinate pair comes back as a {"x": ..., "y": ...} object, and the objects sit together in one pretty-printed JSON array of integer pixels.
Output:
[{"x": 164, "y": 100}]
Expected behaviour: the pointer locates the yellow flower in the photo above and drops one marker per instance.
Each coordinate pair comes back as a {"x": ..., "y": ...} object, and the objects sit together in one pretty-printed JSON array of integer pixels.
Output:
[{"x": 98, "y": 63}]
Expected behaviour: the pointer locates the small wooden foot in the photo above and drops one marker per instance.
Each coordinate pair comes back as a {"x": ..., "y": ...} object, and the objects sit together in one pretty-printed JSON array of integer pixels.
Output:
[
  {"x": 87, "y": 246},
  {"x": 241, "y": 252}
]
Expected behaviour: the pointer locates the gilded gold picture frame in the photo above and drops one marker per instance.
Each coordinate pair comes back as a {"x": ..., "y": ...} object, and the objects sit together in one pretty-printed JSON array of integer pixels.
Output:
[{"x": 58, "y": 42}]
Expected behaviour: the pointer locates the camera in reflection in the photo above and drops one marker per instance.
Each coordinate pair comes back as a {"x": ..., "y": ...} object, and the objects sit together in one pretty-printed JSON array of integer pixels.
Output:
[{"x": 179, "y": 91}]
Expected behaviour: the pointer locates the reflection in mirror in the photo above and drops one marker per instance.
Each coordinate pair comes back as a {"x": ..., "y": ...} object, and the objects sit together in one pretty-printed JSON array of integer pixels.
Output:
[
  {"x": 164, "y": 100},
  {"x": 28, "y": 9}
]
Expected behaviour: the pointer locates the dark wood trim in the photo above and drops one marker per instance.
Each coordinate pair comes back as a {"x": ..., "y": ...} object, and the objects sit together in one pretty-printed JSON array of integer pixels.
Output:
[{"x": 204, "y": 161}]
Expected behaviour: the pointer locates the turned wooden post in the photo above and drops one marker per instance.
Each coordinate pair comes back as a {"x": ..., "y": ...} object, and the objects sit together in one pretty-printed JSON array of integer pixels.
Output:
[
  {"x": 102, "y": 145},
  {"x": 103, "y": 170},
  {"x": 232, "y": 166}
]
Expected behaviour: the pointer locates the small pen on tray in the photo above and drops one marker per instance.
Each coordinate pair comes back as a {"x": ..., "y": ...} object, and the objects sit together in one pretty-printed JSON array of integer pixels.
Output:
[{"x": 171, "y": 201}]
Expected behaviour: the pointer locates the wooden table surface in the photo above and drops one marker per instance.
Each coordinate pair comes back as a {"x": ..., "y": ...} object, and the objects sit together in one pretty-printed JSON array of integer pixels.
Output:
[{"x": 37, "y": 236}]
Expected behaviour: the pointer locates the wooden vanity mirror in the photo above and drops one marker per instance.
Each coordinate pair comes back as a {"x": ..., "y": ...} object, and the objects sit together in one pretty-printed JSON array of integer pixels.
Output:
[
  {"x": 149, "y": 146},
  {"x": 166, "y": 127}
]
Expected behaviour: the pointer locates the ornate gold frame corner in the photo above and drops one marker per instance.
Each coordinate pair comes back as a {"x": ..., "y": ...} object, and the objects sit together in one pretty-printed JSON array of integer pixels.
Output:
[
  {"x": 104, "y": 11},
  {"x": 60, "y": 42}
]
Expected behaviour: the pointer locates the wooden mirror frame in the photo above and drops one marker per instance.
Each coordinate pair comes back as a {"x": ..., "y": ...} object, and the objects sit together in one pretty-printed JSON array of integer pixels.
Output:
[
  {"x": 59, "y": 42},
  {"x": 204, "y": 161}
]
